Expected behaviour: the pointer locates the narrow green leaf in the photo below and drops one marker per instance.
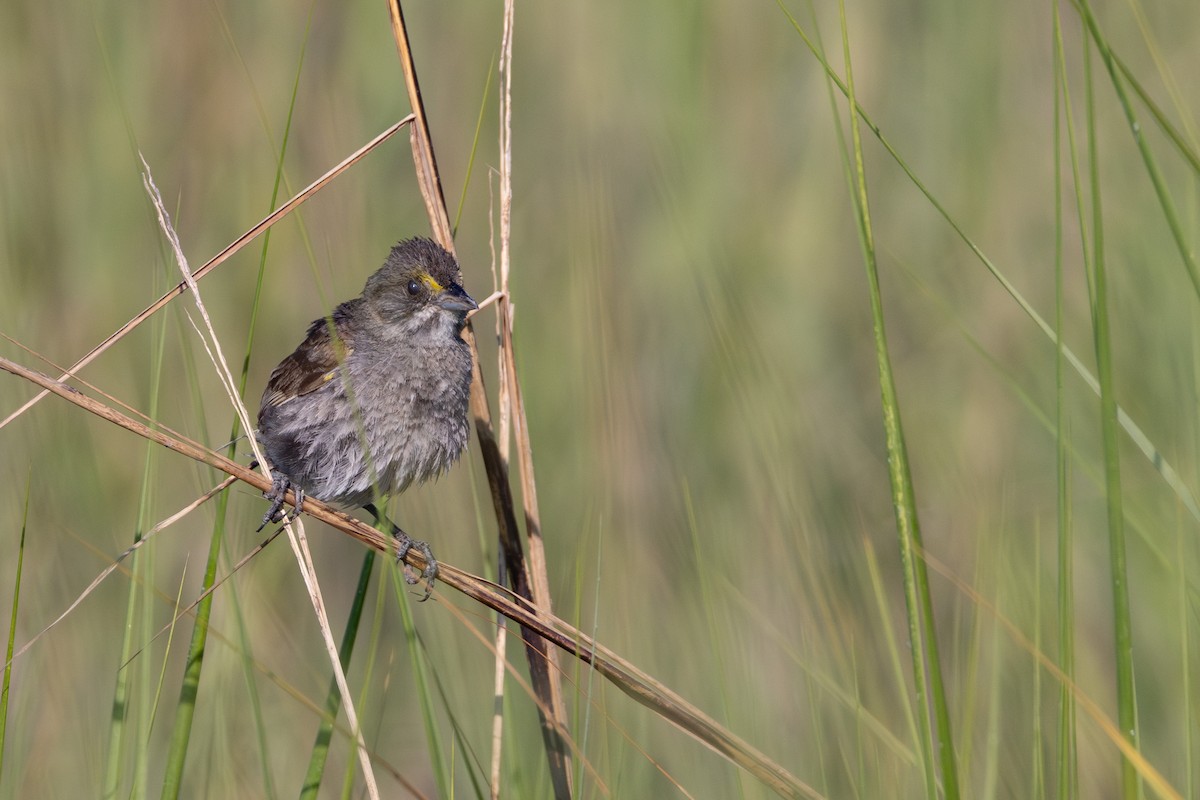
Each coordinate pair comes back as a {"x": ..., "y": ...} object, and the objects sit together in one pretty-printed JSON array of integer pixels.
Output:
[
  {"x": 421, "y": 678},
  {"x": 918, "y": 599},
  {"x": 1118, "y": 571},
  {"x": 12, "y": 622},
  {"x": 1067, "y": 761}
]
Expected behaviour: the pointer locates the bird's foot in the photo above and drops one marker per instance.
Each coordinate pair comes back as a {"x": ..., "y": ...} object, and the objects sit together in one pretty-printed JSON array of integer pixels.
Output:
[
  {"x": 404, "y": 543},
  {"x": 280, "y": 484}
]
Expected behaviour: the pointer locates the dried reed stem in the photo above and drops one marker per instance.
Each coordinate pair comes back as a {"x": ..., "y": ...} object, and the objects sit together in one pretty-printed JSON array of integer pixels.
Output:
[{"x": 295, "y": 528}]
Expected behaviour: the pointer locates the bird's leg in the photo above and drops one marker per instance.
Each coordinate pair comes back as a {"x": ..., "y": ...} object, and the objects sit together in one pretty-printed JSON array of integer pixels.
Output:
[
  {"x": 404, "y": 543},
  {"x": 280, "y": 484}
]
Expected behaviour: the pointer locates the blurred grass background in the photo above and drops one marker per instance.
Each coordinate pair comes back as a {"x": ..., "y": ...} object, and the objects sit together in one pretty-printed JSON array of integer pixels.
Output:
[{"x": 693, "y": 336}]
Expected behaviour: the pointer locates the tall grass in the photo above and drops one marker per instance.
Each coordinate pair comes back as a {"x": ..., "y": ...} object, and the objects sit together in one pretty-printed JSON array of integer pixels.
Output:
[{"x": 695, "y": 341}]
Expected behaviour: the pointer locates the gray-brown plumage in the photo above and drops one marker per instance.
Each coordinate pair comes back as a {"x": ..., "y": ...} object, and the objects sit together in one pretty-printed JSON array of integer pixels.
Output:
[{"x": 375, "y": 397}]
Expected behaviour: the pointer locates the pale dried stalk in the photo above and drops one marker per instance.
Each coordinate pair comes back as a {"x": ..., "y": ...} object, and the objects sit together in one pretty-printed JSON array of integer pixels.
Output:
[
  {"x": 514, "y": 402},
  {"x": 500, "y": 649},
  {"x": 295, "y": 529},
  {"x": 504, "y": 390},
  {"x": 501, "y": 643}
]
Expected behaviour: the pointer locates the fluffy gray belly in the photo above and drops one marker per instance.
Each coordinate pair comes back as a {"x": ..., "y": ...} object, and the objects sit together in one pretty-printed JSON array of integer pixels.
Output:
[{"x": 351, "y": 452}]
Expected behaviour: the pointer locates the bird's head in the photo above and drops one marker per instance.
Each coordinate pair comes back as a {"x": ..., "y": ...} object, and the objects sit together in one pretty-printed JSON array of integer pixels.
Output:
[{"x": 419, "y": 286}]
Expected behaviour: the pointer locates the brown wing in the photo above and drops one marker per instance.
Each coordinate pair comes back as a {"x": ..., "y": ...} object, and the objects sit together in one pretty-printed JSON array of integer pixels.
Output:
[{"x": 314, "y": 363}]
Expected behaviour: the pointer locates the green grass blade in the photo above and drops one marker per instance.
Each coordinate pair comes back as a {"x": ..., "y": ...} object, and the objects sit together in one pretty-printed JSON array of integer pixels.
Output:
[
  {"x": 1185, "y": 662},
  {"x": 583, "y": 716},
  {"x": 371, "y": 659},
  {"x": 144, "y": 572},
  {"x": 989, "y": 784},
  {"x": 1172, "y": 133},
  {"x": 926, "y": 658},
  {"x": 136, "y": 610},
  {"x": 185, "y": 710},
  {"x": 12, "y": 624},
  {"x": 333, "y": 697},
  {"x": 893, "y": 649},
  {"x": 1152, "y": 170},
  {"x": 1119, "y": 577},
  {"x": 476, "y": 772},
  {"x": 1067, "y": 766},
  {"x": 162, "y": 671},
  {"x": 120, "y": 703},
  {"x": 483, "y": 104},
  {"x": 1037, "y": 787},
  {"x": 421, "y": 677}
]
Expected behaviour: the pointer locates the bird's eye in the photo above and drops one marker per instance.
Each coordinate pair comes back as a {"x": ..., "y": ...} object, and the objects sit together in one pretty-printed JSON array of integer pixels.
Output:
[{"x": 414, "y": 288}]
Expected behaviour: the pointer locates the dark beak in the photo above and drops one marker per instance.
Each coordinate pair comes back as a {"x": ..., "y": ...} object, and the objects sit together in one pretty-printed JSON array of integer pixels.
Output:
[{"x": 455, "y": 299}]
